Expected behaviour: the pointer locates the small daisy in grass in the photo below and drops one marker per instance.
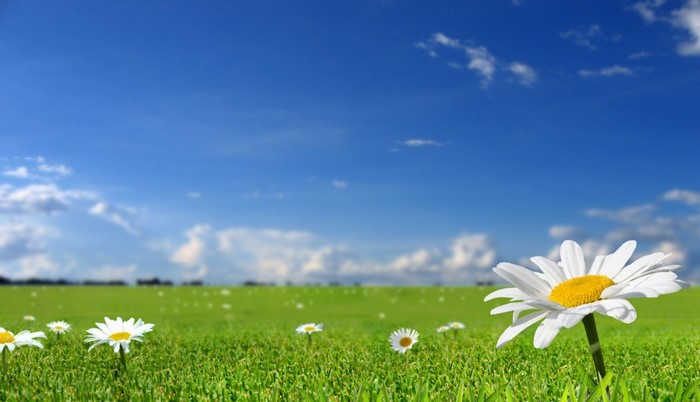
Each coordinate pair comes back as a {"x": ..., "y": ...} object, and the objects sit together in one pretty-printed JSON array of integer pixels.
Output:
[
  {"x": 568, "y": 292},
  {"x": 403, "y": 339},
  {"x": 10, "y": 341},
  {"x": 309, "y": 329},
  {"x": 29, "y": 318},
  {"x": 456, "y": 326},
  {"x": 443, "y": 329},
  {"x": 118, "y": 334},
  {"x": 58, "y": 327}
]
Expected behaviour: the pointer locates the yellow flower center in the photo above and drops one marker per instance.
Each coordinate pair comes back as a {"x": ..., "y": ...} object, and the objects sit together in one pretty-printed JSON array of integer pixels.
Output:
[
  {"x": 58, "y": 327},
  {"x": 6, "y": 337},
  {"x": 582, "y": 290},
  {"x": 120, "y": 336},
  {"x": 309, "y": 328},
  {"x": 405, "y": 342}
]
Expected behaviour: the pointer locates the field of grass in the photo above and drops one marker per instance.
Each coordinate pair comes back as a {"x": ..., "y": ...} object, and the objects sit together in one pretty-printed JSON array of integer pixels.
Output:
[{"x": 239, "y": 344}]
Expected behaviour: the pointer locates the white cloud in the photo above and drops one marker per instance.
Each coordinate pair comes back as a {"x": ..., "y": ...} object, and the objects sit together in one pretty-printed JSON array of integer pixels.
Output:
[
  {"x": 526, "y": 75},
  {"x": 583, "y": 38},
  {"x": 20, "y": 173},
  {"x": 58, "y": 169},
  {"x": 688, "y": 18},
  {"x": 567, "y": 233},
  {"x": 112, "y": 272},
  {"x": 33, "y": 266},
  {"x": 647, "y": 9},
  {"x": 40, "y": 199},
  {"x": 607, "y": 72},
  {"x": 442, "y": 39},
  {"x": 339, "y": 183},
  {"x": 634, "y": 214},
  {"x": 116, "y": 215},
  {"x": 195, "y": 195},
  {"x": 191, "y": 253},
  {"x": 639, "y": 55},
  {"x": 480, "y": 60},
  {"x": 18, "y": 240},
  {"x": 688, "y": 197},
  {"x": 273, "y": 255},
  {"x": 420, "y": 143}
]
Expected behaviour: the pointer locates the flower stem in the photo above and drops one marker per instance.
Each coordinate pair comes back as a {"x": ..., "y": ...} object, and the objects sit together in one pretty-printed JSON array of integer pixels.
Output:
[
  {"x": 309, "y": 338},
  {"x": 122, "y": 357},
  {"x": 596, "y": 350},
  {"x": 4, "y": 360}
]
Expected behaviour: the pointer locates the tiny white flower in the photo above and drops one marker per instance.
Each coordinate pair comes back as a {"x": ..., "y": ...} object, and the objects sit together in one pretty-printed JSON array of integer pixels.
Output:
[
  {"x": 118, "y": 333},
  {"x": 443, "y": 328},
  {"x": 456, "y": 325},
  {"x": 58, "y": 327},
  {"x": 403, "y": 339},
  {"x": 29, "y": 318},
  {"x": 309, "y": 328}
]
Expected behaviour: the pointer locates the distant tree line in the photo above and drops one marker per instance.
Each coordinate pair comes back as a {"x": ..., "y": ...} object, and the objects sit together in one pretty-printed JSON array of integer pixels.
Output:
[{"x": 155, "y": 281}]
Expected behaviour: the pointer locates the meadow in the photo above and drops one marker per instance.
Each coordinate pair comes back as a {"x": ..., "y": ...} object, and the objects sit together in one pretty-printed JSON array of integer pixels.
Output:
[{"x": 239, "y": 343}]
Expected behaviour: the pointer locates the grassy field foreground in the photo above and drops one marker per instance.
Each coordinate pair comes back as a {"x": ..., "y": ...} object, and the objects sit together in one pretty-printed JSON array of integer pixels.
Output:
[{"x": 239, "y": 344}]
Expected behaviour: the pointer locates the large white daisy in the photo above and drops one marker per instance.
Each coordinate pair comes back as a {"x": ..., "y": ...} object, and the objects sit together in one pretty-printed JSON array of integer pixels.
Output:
[
  {"x": 564, "y": 293},
  {"x": 118, "y": 333},
  {"x": 25, "y": 338}
]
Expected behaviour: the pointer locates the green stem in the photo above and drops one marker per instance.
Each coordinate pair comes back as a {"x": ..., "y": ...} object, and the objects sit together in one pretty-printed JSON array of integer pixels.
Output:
[
  {"x": 309, "y": 338},
  {"x": 4, "y": 360},
  {"x": 122, "y": 357},
  {"x": 596, "y": 350}
]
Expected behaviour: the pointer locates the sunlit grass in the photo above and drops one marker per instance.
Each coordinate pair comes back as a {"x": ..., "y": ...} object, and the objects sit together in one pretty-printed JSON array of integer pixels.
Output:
[{"x": 250, "y": 351}]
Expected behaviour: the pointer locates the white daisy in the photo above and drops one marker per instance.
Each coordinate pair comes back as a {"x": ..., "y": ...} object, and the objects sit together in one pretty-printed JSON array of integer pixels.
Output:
[
  {"x": 403, "y": 339},
  {"x": 118, "y": 333},
  {"x": 443, "y": 328},
  {"x": 309, "y": 328},
  {"x": 456, "y": 325},
  {"x": 564, "y": 293},
  {"x": 25, "y": 338},
  {"x": 29, "y": 318},
  {"x": 58, "y": 327}
]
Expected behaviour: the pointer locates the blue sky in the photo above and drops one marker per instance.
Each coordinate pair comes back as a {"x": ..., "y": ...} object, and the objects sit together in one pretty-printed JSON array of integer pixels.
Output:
[{"x": 374, "y": 141}]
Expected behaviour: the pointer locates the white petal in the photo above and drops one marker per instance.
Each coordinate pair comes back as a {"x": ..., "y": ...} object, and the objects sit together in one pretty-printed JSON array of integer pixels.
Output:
[
  {"x": 638, "y": 267},
  {"x": 519, "y": 326},
  {"x": 613, "y": 290},
  {"x": 638, "y": 293},
  {"x": 572, "y": 259},
  {"x": 511, "y": 307},
  {"x": 511, "y": 293},
  {"x": 551, "y": 269},
  {"x": 546, "y": 332},
  {"x": 620, "y": 309},
  {"x": 614, "y": 262},
  {"x": 524, "y": 279},
  {"x": 597, "y": 265},
  {"x": 569, "y": 318}
]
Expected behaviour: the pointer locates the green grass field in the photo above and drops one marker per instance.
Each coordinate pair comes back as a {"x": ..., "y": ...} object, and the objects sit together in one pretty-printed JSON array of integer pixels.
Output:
[{"x": 239, "y": 344}]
